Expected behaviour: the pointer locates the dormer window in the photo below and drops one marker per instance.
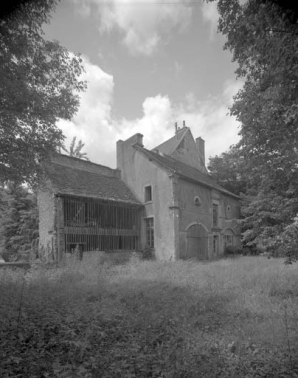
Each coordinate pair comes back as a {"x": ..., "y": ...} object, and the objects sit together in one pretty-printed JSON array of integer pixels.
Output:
[{"x": 148, "y": 193}]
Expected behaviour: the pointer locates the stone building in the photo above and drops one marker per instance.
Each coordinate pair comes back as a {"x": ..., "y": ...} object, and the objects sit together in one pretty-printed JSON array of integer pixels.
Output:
[
  {"x": 161, "y": 198},
  {"x": 86, "y": 204},
  {"x": 186, "y": 215}
]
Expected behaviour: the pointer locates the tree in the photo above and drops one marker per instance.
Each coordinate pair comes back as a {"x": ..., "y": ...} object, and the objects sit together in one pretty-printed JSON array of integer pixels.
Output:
[
  {"x": 74, "y": 150},
  {"x": 263, "y": 37},
  {"x": 263, "y": 40},
  {"x": 10, "y": 7},
  {"x": 228, "y": 170},
  {"x": 39, "y": 84},
  {"x": 19, "y": 223}
]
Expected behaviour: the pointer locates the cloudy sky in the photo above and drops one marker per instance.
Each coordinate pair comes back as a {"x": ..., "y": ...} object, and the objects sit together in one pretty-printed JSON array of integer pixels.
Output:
[{"x": 149, "y": 64}]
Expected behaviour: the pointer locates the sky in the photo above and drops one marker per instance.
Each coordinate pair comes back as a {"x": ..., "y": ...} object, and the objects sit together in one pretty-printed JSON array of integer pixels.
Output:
[{"x": 148, "y": 64}]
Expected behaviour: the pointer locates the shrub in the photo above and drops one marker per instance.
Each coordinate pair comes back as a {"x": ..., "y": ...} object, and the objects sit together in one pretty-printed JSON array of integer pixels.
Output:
[
  {"x": 148, "y": 253},
  {"x": 232, "y": 250},
  {"x": 252, "y": 250},
  {"x": 78, "y": 253}
]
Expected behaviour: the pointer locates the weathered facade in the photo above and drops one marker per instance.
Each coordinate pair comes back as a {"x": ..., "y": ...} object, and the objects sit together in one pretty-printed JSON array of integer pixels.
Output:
[
  {"x": 187, "y": 215},
  {"x": 161, "y": 198}
]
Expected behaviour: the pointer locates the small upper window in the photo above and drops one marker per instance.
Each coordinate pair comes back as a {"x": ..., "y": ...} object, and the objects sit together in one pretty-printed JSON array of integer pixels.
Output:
[
  {"x": 229, "y": 211},
  {"x": 215, "y": 215},
  {"x": 148, "y": 193},
  {"x": 197, "y": 201}
]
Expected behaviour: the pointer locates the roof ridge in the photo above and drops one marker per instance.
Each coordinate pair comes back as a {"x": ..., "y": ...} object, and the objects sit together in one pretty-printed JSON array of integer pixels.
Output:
[
  {"x": 176, "y": 137},
  {"x": 67, "y": 180},
  {"x": 91, "y": 172},
  {"x": 175, "y": 162},
  {"x": 181, "y": 137},
  {"x": 80, "y": 160}
]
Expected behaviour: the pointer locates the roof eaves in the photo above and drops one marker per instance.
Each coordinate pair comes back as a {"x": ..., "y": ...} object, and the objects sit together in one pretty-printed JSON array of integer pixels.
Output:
[
  {"x": 164, "y": 165},
  {"x": 215, "y": 187},
  {"x": 149, "y": 155},
  {"x": 84, "y": 195}
]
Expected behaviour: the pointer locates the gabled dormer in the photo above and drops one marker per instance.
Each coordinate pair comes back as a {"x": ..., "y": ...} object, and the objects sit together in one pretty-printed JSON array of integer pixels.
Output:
[{"x": 183, "y": 147}]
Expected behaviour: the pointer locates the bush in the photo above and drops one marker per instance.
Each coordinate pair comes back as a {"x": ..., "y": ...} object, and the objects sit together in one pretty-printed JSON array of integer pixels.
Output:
[
  {"x": 252, "y": 250},
  {"x": 232, "y": 250},
  {"x": 148, "y": 253}
]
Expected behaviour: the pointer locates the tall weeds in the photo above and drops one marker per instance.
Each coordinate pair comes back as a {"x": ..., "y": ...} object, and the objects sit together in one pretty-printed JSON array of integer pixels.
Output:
[{"x": 93, "y": 318}]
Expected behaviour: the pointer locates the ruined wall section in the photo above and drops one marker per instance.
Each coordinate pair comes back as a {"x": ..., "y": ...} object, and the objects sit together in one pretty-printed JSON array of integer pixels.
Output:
[{"x": 47, "y": 215}]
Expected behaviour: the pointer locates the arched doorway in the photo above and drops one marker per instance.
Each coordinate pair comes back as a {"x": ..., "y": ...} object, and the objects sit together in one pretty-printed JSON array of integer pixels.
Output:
[{"x": 197, "y": 242}]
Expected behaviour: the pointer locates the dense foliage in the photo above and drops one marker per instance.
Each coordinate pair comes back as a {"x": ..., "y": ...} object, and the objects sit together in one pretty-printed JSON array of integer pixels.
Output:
[
  {"x": 228, "y": 170},
  {"x": 19, "y": 222},
  {"x": 39, "y": 84},
  {"x": 263, "y": 37}
]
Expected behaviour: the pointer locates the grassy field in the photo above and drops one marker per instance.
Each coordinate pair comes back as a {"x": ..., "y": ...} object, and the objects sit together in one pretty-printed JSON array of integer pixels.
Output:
[{"x": 227, "y": 318}]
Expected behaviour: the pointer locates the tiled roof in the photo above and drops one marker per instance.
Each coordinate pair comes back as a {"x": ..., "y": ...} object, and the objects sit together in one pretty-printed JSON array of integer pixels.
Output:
[
  {"x": 169, "y": 146},
  {"x": 184, "y": 170},
  {"x": 78, "y": 182}
]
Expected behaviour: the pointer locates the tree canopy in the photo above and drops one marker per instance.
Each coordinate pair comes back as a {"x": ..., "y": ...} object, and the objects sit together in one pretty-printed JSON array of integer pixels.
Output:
[
  {"x": 40, "y": 83},
  {"x": 263, "y": 38}
]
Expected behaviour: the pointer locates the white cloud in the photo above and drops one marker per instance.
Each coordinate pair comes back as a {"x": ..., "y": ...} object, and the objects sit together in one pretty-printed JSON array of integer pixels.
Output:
[
  {"x": 209, "y": 119},
  {"x": 92, "y": 123},
  {"x": 96, "y": 127},
  {"x": 154, "y": 125},
  {"x": 211, "y": 16},
  {"x": 144, "y": 24}
]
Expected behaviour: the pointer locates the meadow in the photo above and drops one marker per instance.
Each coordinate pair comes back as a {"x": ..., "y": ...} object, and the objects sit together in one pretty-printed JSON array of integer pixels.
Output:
[{"x": 227, "y": 318}]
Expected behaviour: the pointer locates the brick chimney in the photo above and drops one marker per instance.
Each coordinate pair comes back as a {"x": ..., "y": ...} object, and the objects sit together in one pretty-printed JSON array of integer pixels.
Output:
[{"x": 201, "y": 148}]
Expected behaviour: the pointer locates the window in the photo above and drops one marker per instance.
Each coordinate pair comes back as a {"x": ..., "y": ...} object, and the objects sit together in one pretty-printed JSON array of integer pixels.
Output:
[
  {"x": 148, "y": 193},
  {"x": 197, "y": 201},
  {"x": 215, "y": 244},
  {"x": 215, "y": 214},
  {"x": 150, "y": 232},
  {"x": 229, "y": 212},
  {"x": 229, "y": 240}
]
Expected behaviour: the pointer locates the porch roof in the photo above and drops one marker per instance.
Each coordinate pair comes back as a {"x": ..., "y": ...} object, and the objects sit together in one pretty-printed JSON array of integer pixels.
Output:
[{"x": 78, "y": 182}]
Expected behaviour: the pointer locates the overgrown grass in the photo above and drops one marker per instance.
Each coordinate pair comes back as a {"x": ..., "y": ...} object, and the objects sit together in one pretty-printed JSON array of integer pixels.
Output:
[{"x": 228, "y": 318}]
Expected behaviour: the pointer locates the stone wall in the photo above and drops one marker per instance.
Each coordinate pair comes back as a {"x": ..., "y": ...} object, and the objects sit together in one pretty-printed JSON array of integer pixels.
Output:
[
  {"x": 196, "y": 207},
  {"x": 138, "y": 172},
  {"x": 47, "y": 214}
]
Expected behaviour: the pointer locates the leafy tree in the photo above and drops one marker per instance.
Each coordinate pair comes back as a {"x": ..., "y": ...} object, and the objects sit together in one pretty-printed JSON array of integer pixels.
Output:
[
  {"x": 263, "y": 37},
  {"x": 228, "y": 170},
  {"x": 75, "y": 150},
  {"x": 19, "y": 224},
  {"x": 263, "y": 41},
  {"x": 39, "y": 84}
]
